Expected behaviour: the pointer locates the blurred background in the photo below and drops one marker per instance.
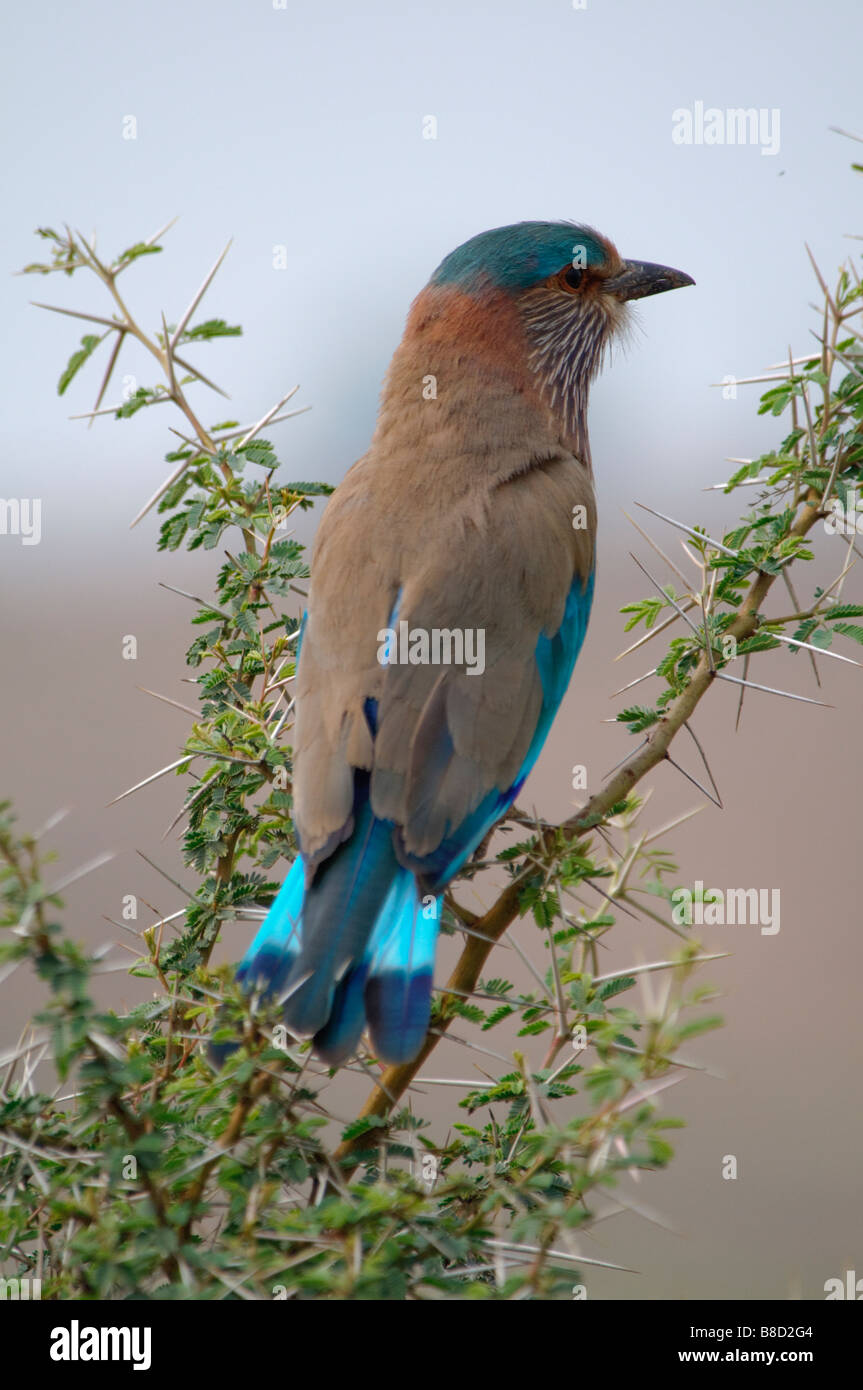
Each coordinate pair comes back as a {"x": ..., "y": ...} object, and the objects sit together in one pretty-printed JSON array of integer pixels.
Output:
[{"x": 354, "y": 146}]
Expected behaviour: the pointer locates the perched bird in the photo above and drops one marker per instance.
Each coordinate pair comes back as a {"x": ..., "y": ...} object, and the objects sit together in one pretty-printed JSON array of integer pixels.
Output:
[{"x": 452, "y": 578}]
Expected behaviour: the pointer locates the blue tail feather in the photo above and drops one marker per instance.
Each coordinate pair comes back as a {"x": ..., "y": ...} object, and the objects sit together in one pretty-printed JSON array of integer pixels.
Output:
[
  {"x": 340, "y": 1035},
  {"x": 399, "y": 987},
  {"x": 340, "y": 909},
  {"x": 271, "y": 956}
]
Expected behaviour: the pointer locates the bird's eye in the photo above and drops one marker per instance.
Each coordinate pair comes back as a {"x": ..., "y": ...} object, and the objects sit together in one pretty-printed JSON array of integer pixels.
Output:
[{"x": 572, "y": 277}]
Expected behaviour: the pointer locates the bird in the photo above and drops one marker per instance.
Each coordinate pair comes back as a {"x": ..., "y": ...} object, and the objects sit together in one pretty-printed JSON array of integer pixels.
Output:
[{"x": 452, "y": 577}]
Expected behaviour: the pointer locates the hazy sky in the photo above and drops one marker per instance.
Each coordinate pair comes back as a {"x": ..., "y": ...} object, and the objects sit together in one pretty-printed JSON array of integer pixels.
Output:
[{"x": 303, "y": 127}]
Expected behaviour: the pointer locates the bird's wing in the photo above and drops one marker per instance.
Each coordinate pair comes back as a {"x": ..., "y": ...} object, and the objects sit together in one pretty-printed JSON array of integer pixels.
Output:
[{"x": 443, "y": 744}]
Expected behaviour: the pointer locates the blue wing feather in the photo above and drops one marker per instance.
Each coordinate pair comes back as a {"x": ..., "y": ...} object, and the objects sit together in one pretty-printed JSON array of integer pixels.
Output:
[
  {"x": 357, "y": 945},
  {"x": 555, "y": 658}
]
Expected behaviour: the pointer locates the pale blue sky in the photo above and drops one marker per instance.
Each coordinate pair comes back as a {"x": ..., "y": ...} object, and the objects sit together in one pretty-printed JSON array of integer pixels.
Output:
[{"x": 303, "y": 127}]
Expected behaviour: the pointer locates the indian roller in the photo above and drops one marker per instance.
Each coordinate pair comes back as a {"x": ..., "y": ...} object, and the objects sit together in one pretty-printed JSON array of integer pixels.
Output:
[{"x": 451, "y": 583}]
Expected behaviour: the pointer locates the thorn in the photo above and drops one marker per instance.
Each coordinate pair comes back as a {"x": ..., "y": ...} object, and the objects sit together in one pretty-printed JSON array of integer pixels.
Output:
[
  {"x": 378, "y": 1081},
  {"x": 615, "y": 902},
  {"x": 691, "y": 733},
  {"x": 595, "y": 938},
  {"x": 672, "y": 1062},
  {"x": 667, "y": 597},
  {"x": 663, "y": 830},
  {"x": 90, "y": 251},
  {"x": 794, "y": 599},
  {"x": 661, "y": 964},
  {"x": 187, "y": 709},
  {"x": 646, "y": 1213},
  {"x": 821, "y": 281},
  {"x": 465, "y": 1042},
  {"x": 790, "y": 362},
  {"x": 112, "y": 362},
  {"x": 169, "y": 358},
  {"x": 792, "y": 642},
  {"x": 198, "y": 297},
  {"x": 855, "y": 371},
  {"x": 166, "y": 876},
  {"x": 52, "y": 820},
  {"x": 446, "y": 1081},
  {"x": 651, "y": 1091},
  {"x": 837, "y": 130},
  {"x": 660, "y": 552},
  {"x": 708, "y": 640},
  {"x": 489, "y": 940},
  {"x": 833, "y": 472},
  {"x": 147, "y": 780},
  {"x": 195, "y": 599},
  {"x": 192, "y": 442},
  {"x": 277, "y": 419},
  {"x": 697, "y": 535},
  {"x": 637, "y": 681},
  {"x": 226, "y": 757},
  {"x": 752, "y": 685},
  {"x": 161, "y": 490},
  {"x": 695, "y": 782},
  {"x": 509, "y": 1245},
  {"x": 742, "y": 693},
  {"x": 278, "y": 729},
  {"x": 157, "y": 236},
  {"x": 87, "y": 868},
  {"x": 625, "y": 759},
  {"x": 531, "y": 967},
  {"x": 265, "y": 419},
  {"x": 813, "y": 448},
  {"x": 77, "y": 314},
  {"x": 745, "y": 482},
  {"x": 751, "y": 380},
  {"x": 205, "y": 380},
  {"x": 10, "y": 970},
  {"x": 154, "y": 926},
  {"x": 292, "y": 989},
  {"x": 161, "y": 399}
]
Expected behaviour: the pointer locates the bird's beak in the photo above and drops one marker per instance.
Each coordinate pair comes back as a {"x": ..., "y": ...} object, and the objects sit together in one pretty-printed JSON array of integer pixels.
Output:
[{"x": 638, "y": 279}]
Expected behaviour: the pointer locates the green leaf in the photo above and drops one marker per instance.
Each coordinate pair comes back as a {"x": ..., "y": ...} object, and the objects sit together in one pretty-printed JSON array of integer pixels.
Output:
[
  {"x": 638, "y": 717},
  {"x": 135, "y": 252},
  {"x": 852, "y": 630},
  {"x": 89, "y": 343},
  {"x": 844, "y": 610},
  {"x": 647, "y": 610},
  {"x": 362, "y": 1126},
  {"x": 612, "y": 987},
  {"x": 698, "y": 1026},
  {"x": 497, "y": 1016},
  {"x": 144, "y": 395},
  {"x": 211, "y": 328}
]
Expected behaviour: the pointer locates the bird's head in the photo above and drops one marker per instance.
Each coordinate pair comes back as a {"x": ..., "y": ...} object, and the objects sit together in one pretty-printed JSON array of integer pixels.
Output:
[{"x": 571, "y": 288}]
